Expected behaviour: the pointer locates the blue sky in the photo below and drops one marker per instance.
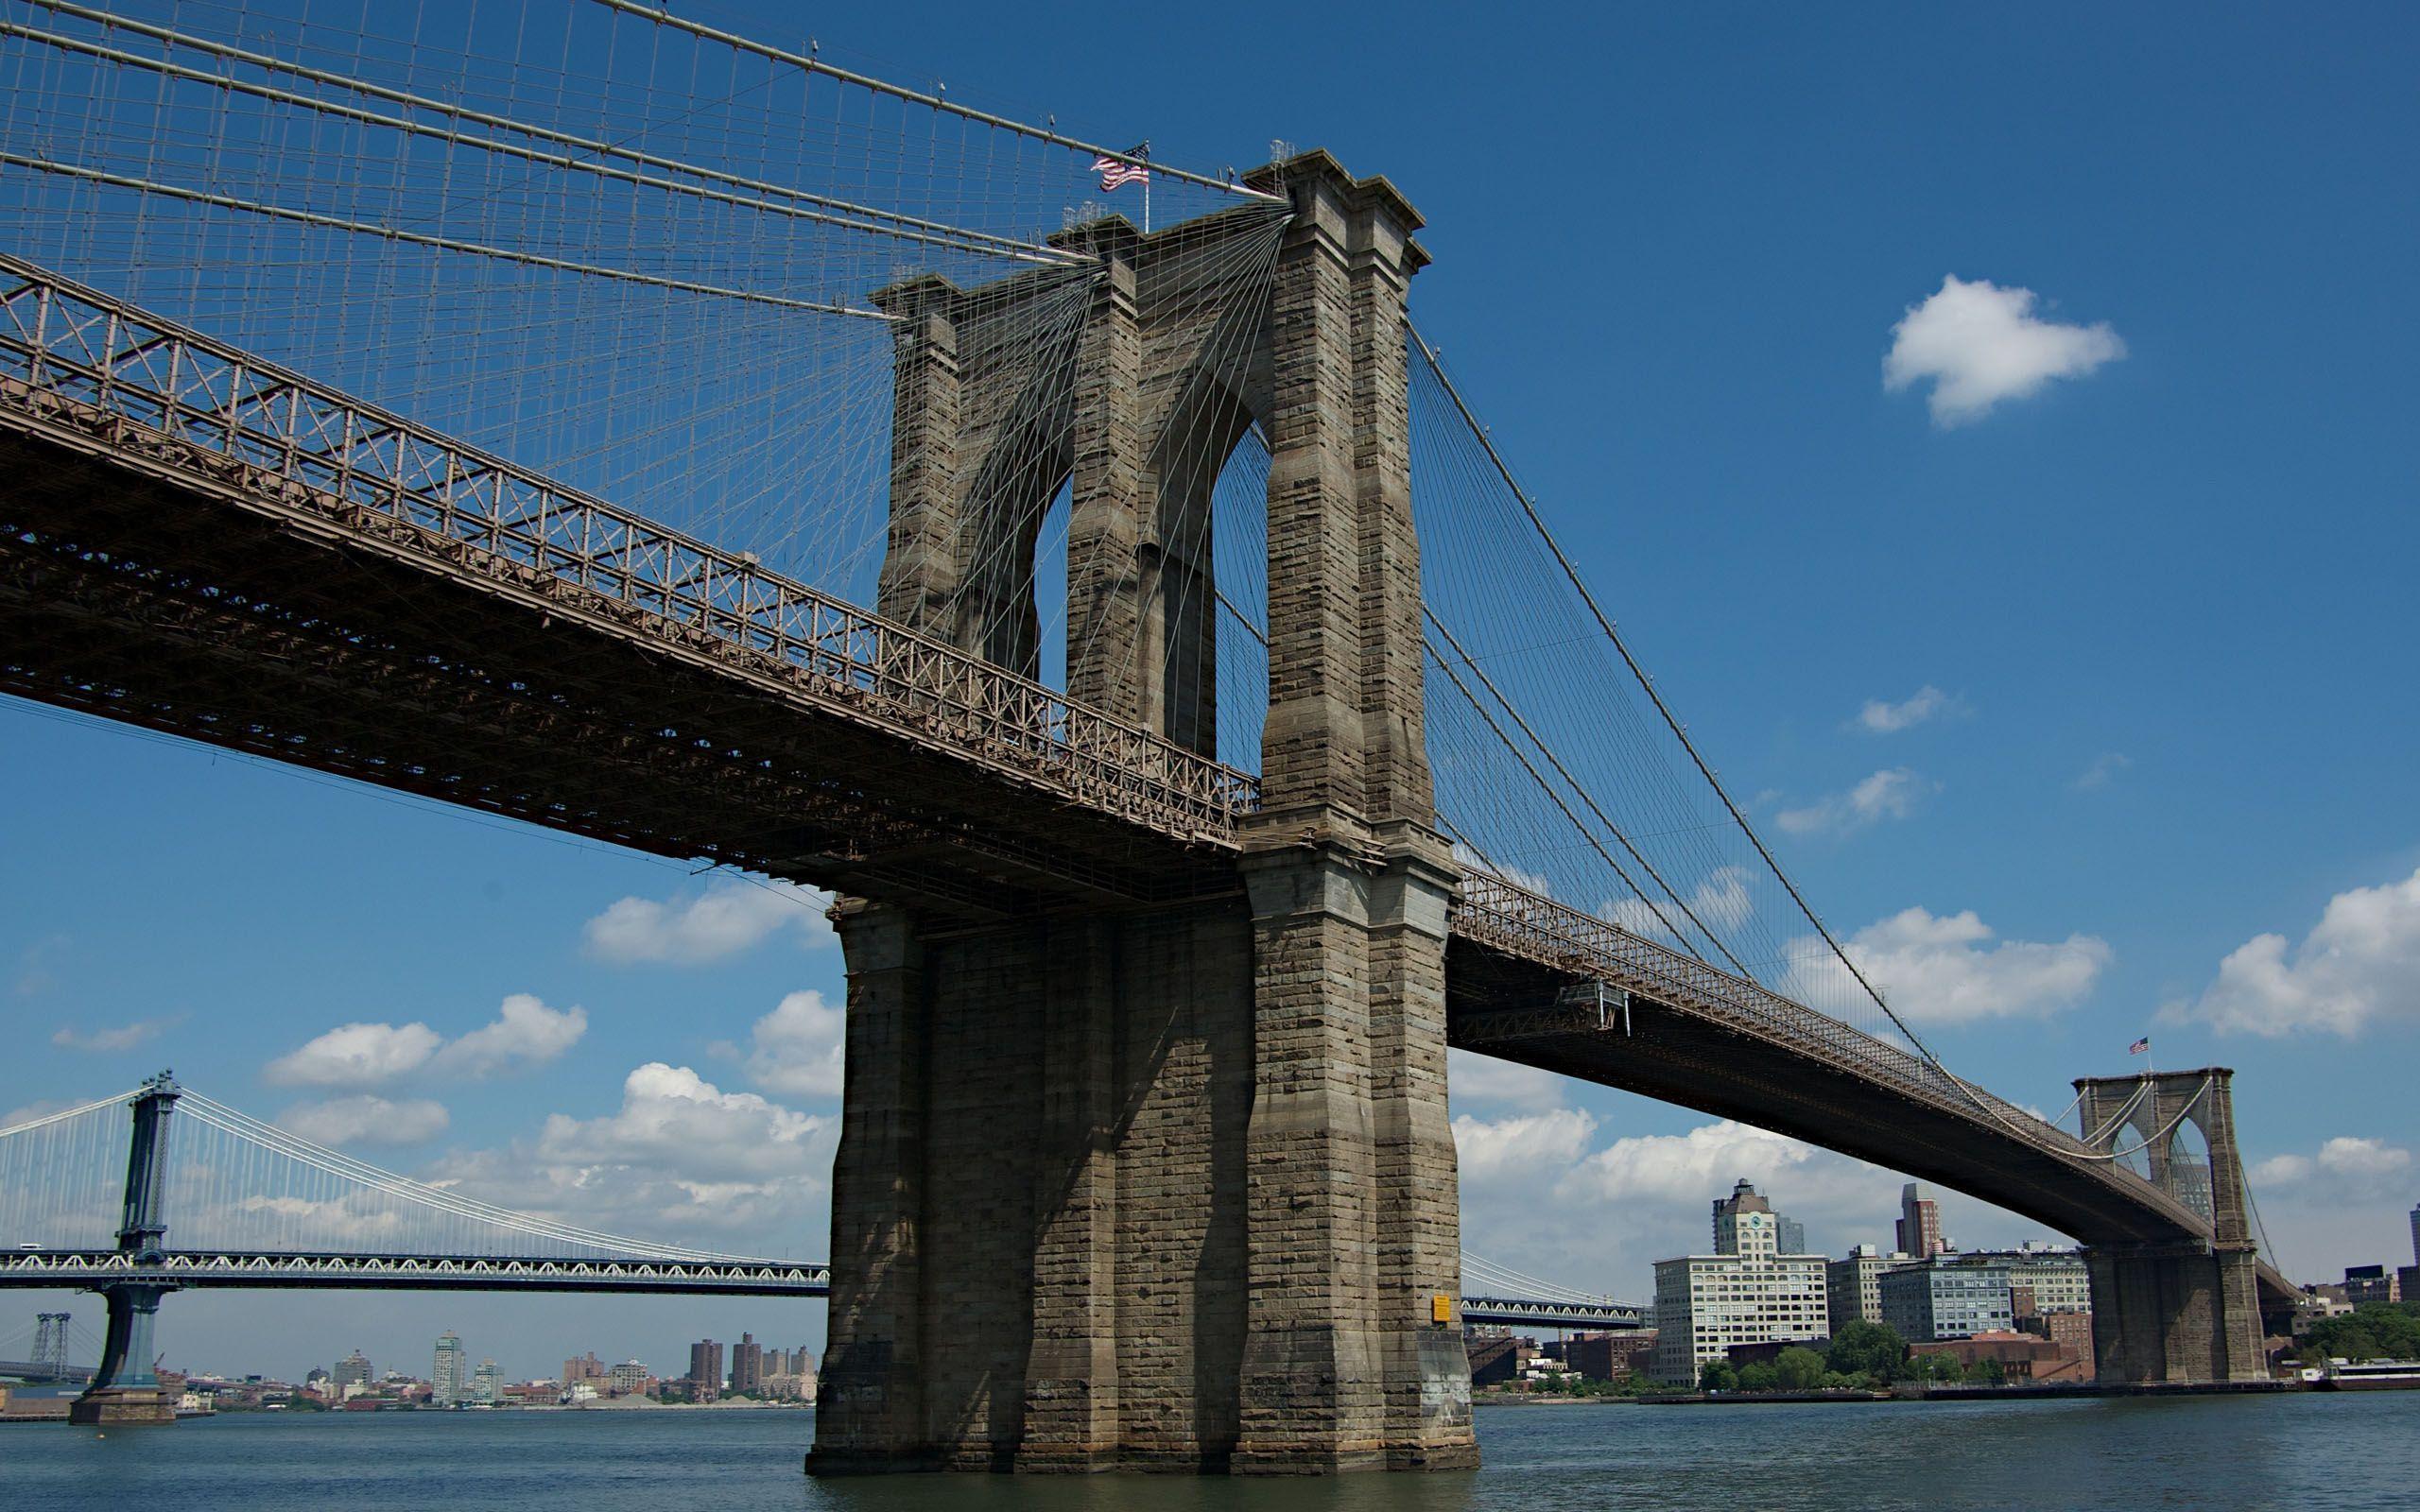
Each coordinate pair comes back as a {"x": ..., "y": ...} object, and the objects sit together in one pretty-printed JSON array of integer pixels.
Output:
[{"x": 1672, "y": 246}]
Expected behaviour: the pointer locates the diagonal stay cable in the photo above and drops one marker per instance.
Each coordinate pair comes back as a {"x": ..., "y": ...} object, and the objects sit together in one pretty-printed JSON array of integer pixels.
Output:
[
  {"x": 1602, "y": 818},
  {"x": 1680, "y": 733}
]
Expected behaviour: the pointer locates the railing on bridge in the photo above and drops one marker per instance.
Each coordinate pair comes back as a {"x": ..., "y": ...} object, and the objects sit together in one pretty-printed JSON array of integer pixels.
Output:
[
  {"x": 84, "y": 1269},
  {"x": 1518, "y": 1312},
  {"x": 1521, "y": 922},
  {"x": 79, "y": 365}
]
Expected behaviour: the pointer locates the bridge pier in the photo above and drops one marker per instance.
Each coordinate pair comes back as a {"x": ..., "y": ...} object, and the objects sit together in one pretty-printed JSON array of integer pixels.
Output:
[
  {"x": 2176, "y": 1313},
  {"x": 1170, "y": 1186},
  {"x": 124, "y": 1391}
]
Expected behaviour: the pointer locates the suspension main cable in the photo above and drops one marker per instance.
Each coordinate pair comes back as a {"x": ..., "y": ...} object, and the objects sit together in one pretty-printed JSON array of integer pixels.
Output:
[
  {"x": 1001, "y": 245},
  {"x": 1605, "y": 624},
  {"x": 62, "y": 1115},
  {"x": 955, "y": 238},
  {"x": 447, "y": 244},
  {"x": 814, "y": 65}
]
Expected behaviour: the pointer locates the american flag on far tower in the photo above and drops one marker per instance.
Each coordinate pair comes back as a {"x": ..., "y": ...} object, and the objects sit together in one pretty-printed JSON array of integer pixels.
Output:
[
  {"x": 1116, "y": 172},
  {"x": 2141, "y": 1047}
]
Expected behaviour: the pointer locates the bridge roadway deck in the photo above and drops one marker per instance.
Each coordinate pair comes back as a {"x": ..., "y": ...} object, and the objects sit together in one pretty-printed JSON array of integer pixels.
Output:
[
  {"x": 83, "y": 1269},
  {"x": 197, "y": 542},
  {"x": 1704, "y": 1039}
]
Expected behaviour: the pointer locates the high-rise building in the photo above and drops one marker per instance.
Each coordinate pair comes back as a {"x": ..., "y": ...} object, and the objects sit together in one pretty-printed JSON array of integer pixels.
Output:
[
  {"x": 1750, "y": 1291},
  {"x": 1854, "y": 1285},
  {"x": 629, "y": 1379},
  {"x": 352, "y": 1370},
  {"x": 2415, "y": 1235},
  {"x": 487, "y": 1384},
  {"x": 586, "y": 1368},
  {"x": 1919, "y": 1223},
  {"x": 1745, "y": 1223},
  {"x": 705, "y": 1371},
  {"x": 448, "y": 1376},
  {"x": 747, "y": 1366}
]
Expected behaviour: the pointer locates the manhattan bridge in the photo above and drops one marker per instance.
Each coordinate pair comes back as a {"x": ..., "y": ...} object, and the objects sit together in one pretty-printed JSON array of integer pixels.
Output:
[{"x": 579, "y": 414}]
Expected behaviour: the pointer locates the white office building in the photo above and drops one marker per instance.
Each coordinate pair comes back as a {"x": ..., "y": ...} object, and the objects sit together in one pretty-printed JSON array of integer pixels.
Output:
[{"x": 1747, "y": 1292}]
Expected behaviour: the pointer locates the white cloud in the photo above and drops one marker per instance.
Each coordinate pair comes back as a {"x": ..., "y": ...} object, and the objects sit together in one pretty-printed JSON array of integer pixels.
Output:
[
  {"x": 1940, "y": 970},
  {"x": 1471, "y": 1078},
  {"x": 2345, "y": 1165},
  {"x": 1541, "y": 1196},
  {"x": 799, "y": 1047},
  {"x": 1981, "y": 343},
  {"x": 725, "y": 919},
  {"x": 41, "y": 1108},
  {"x": 122, "y": 1037},
  {"x": 2102, "y": 771},
  {"x": 1533, "y": 881},
  {"x": 1698, "y": 1166},
  {"x": 2359, "y": 963},
  {"x": 671, "y": 1115},
  {"x": 1489, "y": 1151},
  {"x": 366, "y": 1120},
  {"x": 526, "y": 1032},
  {"x": 355, "y": 1054},
  {"x": 1720, "y": 904},
  {"x": 1889, "y": 794},
  {"x": 1926, "y": 703},
  {"x": 2339, "y": 1205},
  {"x": 680, "y": 1157}
]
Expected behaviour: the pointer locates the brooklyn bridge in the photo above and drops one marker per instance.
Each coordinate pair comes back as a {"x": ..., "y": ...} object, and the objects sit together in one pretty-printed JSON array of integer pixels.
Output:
[{"x": 1081, "y": 565}]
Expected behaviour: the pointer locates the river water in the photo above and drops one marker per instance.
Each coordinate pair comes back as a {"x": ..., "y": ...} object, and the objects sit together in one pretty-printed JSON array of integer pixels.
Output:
[{"x": 2320, "y": 1450}]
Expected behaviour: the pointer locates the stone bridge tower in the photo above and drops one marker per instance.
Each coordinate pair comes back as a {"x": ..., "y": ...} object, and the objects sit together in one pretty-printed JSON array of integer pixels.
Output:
[
  {"x": 1167, "y": 1185},
  {"x": 2176, "y": 1312}
]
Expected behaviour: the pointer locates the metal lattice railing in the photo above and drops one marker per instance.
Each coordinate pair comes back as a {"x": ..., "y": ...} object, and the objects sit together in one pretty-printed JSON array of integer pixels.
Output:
[
  {"x": 1521, "y": 922},
  {"x": 240, "y": 1268},
  {"x": 76, "y": 358}
]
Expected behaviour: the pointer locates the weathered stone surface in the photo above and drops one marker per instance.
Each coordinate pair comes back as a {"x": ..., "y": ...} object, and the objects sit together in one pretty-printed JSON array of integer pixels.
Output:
[
  {"x": 1170, "y": 1189},
  {"x": 2177, "y": 1313},
  {"x": 124, "y": 1407}
]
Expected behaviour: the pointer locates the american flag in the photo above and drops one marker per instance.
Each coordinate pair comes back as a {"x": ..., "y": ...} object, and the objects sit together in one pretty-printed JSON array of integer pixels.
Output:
[
  {"x": 2141, "y": 1047},
  {"x": 1116, "y": 172}
]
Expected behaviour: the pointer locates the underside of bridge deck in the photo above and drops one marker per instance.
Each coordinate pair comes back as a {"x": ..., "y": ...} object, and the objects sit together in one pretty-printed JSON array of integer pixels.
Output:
[
  {"x": 1507, "y": 1008},
  {"x": 1517, "y": 1009},
  {"x": 147, "y": 599}
]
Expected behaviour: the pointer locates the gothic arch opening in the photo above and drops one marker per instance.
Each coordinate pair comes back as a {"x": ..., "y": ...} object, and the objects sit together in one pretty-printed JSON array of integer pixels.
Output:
[
  {"x": 2132, "y": 1145},
  {"x": 2187, "y": 1175}
]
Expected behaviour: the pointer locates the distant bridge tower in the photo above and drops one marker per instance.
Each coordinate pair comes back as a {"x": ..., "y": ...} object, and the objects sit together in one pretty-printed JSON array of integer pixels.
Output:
[
  {"x": 2172, "y": 1311},
  {"x": 50, "y": 1345},
  {"x": 124, "y": 1390},
  {"x": 1168, "y": 1185}
]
